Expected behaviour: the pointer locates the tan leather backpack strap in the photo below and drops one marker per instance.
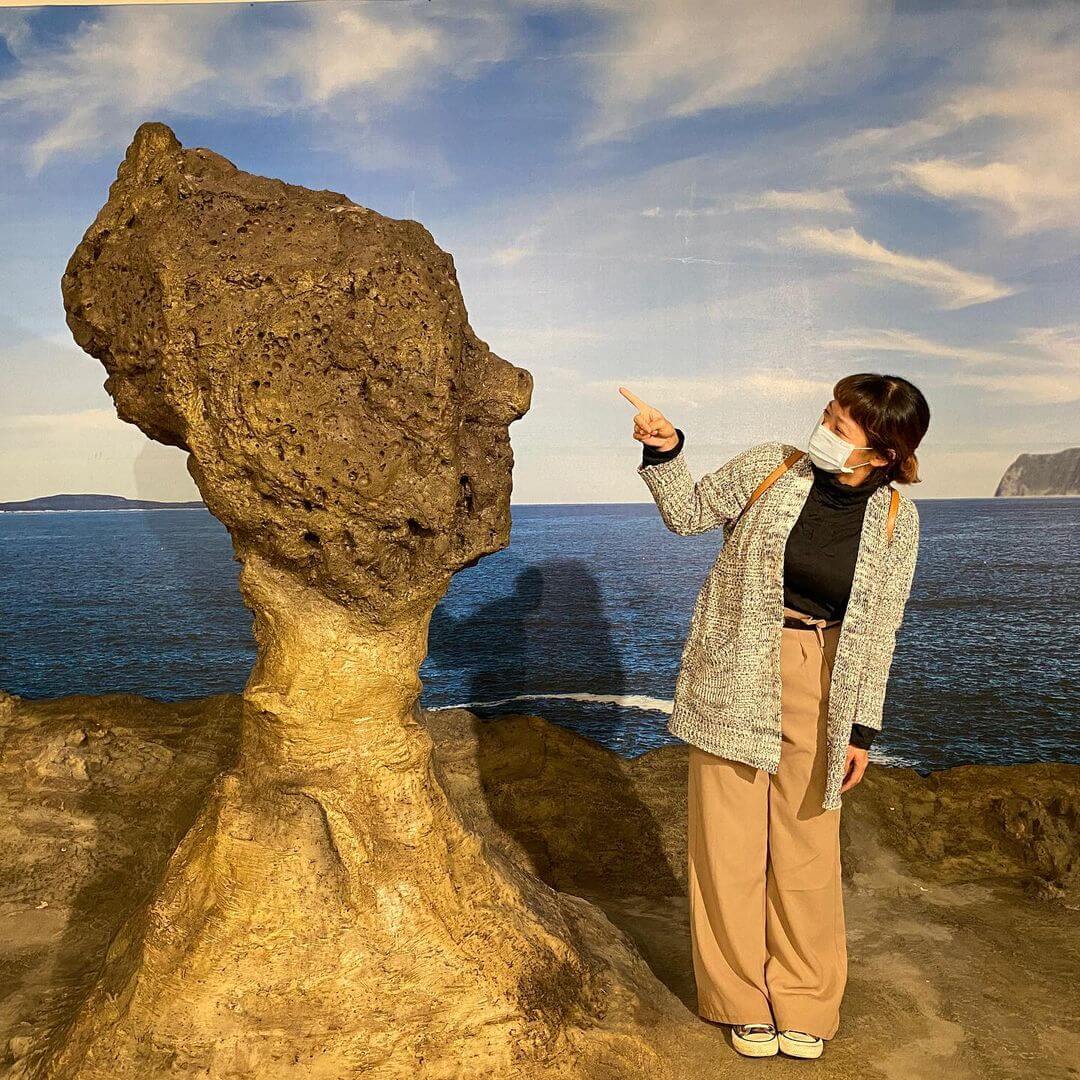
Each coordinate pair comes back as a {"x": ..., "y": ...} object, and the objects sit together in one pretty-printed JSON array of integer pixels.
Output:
[
  {"x": 894, "y": 506},
  {"x": 769, "y": 481}
]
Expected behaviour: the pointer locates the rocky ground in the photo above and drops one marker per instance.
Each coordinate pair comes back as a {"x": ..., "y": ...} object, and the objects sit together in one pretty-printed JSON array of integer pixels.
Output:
[{"x": 960, "y": 886}]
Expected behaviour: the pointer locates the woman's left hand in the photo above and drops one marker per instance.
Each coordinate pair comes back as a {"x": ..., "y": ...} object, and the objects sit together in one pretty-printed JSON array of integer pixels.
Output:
[{"x": 854, "y": 766}]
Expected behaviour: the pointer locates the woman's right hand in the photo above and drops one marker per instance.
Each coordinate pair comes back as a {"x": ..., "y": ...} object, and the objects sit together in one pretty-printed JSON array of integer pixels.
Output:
[{"x": 651, "y": 427}]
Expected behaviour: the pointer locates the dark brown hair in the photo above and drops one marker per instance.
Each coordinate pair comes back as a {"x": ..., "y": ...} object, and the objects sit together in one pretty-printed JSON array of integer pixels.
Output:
[{"x": 894, "y": 414}]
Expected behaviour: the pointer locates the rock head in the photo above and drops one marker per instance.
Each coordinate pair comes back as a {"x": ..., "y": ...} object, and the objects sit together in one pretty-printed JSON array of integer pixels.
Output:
[{"x": 315, "y": 358}]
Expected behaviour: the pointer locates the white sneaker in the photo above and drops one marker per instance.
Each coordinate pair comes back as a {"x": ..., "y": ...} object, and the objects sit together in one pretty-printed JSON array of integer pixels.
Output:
[
  {"x": 800, "y": 1044},
  {"x": 754, "y": 1040}
]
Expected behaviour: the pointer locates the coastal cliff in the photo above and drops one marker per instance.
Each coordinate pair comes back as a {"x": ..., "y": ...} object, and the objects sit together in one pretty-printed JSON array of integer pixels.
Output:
[
  {"x": 1043, "y": 474},
  {"x": 960, "y": 886}
]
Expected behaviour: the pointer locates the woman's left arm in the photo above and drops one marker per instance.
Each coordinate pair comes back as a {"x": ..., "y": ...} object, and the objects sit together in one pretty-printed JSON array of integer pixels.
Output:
[{"x": 896, "y": 588}]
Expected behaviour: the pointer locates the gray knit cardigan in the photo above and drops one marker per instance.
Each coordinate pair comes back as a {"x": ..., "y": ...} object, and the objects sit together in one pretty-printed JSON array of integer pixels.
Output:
[{"x": 727, "y": 693}]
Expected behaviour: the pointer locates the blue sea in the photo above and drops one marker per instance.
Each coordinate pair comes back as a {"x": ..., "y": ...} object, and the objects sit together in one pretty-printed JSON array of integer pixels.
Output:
[{"x": 581, "y": 620}]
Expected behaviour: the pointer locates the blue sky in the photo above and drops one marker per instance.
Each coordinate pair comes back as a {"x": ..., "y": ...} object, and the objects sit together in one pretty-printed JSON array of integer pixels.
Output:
[{"x": 724, "y": 206}]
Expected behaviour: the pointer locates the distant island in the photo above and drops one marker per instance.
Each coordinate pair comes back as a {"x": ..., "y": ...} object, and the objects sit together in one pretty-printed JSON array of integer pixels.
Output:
[
  {"x": 96, "y": 502},
  {"x": 1043, "y": 474}
]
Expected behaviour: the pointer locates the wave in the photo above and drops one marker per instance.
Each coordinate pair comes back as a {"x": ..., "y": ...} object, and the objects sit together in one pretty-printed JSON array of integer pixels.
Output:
[
  {"x": 629, "y": 701},
  {"x": 652, "y": 704},
  {"x": 897, "y": 761}
]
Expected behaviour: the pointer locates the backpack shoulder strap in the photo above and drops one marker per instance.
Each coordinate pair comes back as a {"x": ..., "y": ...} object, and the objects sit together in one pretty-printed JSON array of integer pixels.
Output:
[
  {"x": 894, "y": 501},
  {"x": 769, "y": 481},
  {"x": 894, "y": 507}
]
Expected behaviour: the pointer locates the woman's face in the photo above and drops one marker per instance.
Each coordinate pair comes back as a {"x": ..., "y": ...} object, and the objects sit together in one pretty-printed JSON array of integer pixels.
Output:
[{"x": 835, "y": 417}]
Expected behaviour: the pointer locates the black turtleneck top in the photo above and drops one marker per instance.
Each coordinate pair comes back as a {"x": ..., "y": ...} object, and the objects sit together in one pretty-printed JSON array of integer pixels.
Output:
[{"x": 819, "y": 559}]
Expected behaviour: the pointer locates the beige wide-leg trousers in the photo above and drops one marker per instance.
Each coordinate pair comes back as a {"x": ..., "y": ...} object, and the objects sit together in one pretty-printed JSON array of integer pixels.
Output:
[{"x": 766, "y": 907}]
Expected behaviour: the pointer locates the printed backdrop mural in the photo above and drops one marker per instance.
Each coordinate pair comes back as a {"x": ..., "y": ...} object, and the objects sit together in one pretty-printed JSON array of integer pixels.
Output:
[{"x": 722, "y": 205}]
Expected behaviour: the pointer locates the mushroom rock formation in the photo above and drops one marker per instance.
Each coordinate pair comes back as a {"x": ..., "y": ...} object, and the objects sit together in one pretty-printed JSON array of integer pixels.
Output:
[{"x": 329, "y": 913}]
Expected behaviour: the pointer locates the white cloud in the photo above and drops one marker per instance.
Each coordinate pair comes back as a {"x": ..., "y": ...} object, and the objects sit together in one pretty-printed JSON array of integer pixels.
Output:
[
  {"x": 1033, "y": 200},
  {"x": 679, "y": 58},
  {"x": 1001, "y": 137},
  {"x": 346, "y": 48},
  {"x": 1058, "y": 344},
  {"x": 1025, "y": 387},
  {"x": 86, "y": 94},
  {"x": 957, "y": 288},
  {"x": 901, "y": 341},
  {"x": 833, "y": 201},
  {"x": 109, "y": 71},
  {"x": 14, "y": 29},
  {"x": 80, "y": 420},
  {"x": 1043, "y": 370},
  {"x": 520, "y": 247},
  {"x": 726, "y": 388}
]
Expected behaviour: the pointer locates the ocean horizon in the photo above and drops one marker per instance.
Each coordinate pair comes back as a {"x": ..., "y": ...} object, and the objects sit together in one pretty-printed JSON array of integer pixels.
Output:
[{"x": 513, "y": 505}]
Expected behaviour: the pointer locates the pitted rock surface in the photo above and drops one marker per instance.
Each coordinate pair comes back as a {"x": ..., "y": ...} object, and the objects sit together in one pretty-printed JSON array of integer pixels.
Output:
[{"x": 316, "y": 360}]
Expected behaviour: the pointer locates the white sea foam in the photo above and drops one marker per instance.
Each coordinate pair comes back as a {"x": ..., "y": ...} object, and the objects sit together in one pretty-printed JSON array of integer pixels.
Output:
[
  {"x": 886, "y": 757},
  {"x": 649, "y": 704},
  {"x": 629, "y": 701}
]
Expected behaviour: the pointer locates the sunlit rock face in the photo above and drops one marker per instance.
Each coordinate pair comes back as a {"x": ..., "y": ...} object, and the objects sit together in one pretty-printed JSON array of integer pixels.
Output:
[{"x": 315, "y": 358}]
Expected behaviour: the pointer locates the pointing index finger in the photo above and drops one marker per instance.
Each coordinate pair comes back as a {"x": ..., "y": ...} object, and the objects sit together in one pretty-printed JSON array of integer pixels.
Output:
[{"x": 633, "y": 399}]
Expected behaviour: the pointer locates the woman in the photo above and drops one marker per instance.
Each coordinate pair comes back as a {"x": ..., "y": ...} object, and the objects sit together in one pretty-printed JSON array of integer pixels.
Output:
[{"x": 780, "y": 691}]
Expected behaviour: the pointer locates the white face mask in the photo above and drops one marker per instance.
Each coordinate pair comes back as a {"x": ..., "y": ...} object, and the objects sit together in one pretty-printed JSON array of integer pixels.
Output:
[{"x": 829, "y": 452}]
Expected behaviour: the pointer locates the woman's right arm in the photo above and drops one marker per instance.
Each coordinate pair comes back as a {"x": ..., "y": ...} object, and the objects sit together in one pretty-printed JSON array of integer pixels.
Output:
[{"x": 690, "y": 508}]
